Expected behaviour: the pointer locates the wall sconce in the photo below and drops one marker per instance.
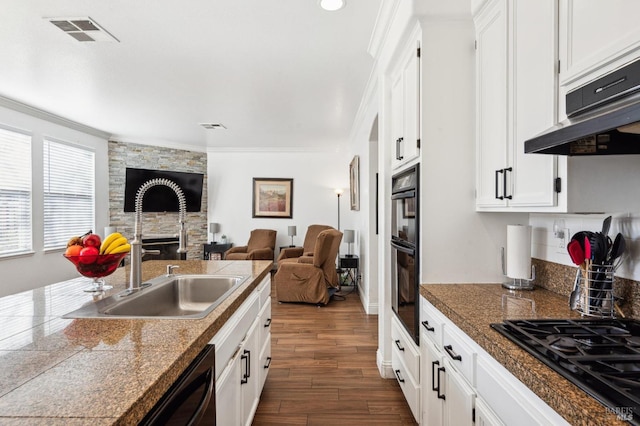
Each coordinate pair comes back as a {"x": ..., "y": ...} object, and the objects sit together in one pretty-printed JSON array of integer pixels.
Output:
[
  {"x": 291, "y": 231},
  {"x": 214, "y": 228},
  {"x": 349, "y": 235},
  {"x": 339, "y": 192}
]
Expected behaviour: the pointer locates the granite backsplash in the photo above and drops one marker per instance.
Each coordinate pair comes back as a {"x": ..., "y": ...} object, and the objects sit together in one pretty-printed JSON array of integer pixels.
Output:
[{"x": 560, "y": 278}]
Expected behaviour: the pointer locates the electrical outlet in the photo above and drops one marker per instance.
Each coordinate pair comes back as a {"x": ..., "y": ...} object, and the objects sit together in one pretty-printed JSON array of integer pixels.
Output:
[{"x": 561, "y": 243}]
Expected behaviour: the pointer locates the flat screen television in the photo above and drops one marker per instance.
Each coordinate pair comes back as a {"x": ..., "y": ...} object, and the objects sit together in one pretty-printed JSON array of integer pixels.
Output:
[{"x": 161, "y": 198}]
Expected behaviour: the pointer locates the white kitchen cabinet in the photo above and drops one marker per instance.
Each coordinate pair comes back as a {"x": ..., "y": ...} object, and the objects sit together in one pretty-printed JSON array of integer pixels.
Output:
[
  {"x": 595, "y": 37},
  {"x": 405, "y": 361},
  {"x": 485, "y": 415},
  {"x": 462, "y": 382},
  {"x": 516, "y": 94},
  {"x": 405, "y": 103},
  {"x": 240, "y": 345}
]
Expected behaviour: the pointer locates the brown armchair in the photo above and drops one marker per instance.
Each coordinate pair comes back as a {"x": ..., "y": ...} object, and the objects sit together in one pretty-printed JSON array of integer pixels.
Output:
[
  {"x": 289, "y": 254},
  {"x": 309, "y": 278},
  {"x": 261, "y": 246}
]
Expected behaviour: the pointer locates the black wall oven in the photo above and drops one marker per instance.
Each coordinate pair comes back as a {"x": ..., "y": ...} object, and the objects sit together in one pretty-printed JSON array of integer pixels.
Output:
[{"x": 405, "y": 225}]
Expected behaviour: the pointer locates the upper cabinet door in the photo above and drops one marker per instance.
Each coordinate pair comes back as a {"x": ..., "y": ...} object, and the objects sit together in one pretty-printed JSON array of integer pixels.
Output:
[
  {"x": 405, "y": 101},
  {"x": 534, "y": 99},
  {"x": 596, "y": 34},
  {"x": 491, "y": 104}
]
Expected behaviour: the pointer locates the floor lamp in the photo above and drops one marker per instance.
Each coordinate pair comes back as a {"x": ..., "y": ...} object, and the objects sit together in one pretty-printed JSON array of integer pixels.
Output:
[{"x": 339, "y": 193}]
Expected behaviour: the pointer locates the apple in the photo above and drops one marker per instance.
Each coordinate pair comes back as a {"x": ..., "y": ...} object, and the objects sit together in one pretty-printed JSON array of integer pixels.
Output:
[
  {"x": 89, "y": 254},
  {"x": 91, "y": 240}
]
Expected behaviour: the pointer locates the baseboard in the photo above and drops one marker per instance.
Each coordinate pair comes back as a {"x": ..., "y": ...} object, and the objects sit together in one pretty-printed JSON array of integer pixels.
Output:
[{"x": 384, "y": 367}]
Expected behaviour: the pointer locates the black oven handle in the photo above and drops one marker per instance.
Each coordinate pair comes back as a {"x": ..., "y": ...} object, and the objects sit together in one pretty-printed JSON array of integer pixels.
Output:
[
  {"x": 405, "y": 194},
  {"x": 408, "y": 250},
  {"x": 206, "y": 399}
]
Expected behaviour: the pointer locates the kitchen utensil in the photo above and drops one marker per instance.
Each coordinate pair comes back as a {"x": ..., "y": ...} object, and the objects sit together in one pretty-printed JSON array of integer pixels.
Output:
[
  {"x": 576, "y": 251},
  {"x": 617, "y": 248},
  {"x": 606, "y": 224},
  {"x": 575, "y": 293}
]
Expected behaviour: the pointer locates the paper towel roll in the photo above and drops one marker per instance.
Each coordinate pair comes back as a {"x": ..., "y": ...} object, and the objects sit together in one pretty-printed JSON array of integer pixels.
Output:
[{"x": 519, "y": 251}]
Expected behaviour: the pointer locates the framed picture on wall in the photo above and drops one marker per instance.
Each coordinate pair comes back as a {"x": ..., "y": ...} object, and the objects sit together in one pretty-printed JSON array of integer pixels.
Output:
[
  {"x": 273, "y": 197},
  {"x": 354, "y": 183}
]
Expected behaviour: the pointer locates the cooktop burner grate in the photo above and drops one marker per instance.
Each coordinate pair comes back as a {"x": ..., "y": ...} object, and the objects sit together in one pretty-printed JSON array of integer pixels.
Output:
[{"x": 602, "y": 357}]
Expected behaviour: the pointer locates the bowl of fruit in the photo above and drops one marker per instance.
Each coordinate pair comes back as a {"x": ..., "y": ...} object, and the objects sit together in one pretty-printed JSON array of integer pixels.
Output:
[{"x": 95, "y": 258}]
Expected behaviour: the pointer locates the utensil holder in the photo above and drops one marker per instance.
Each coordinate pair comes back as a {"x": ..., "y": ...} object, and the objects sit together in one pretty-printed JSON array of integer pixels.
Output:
[{"x": 595, "y": 285}]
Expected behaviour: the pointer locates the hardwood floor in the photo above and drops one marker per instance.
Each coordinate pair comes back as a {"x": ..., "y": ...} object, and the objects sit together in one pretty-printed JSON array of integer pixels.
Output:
[{"x": 323, "y": 369}]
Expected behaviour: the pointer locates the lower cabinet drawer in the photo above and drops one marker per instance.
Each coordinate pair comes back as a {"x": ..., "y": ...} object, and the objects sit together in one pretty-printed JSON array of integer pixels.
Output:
[
  {"x": 406, "y": 348},
  {"x": 460, "y": 350},
  {"x": 409, "y": 385}
]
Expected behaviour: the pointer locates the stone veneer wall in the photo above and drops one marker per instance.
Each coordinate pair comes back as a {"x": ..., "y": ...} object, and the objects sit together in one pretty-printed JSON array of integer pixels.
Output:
[{"x": 123, "y": 155}]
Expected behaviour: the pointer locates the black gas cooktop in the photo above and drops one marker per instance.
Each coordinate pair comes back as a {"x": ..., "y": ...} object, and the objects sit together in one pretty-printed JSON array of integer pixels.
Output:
[{"x": 602, "y": 357}]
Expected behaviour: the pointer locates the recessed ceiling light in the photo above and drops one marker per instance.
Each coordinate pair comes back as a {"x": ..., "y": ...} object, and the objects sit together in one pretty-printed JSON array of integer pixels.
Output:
[
  {"x": 82, "y": 29},
  {"x": 332, "y": 5}
]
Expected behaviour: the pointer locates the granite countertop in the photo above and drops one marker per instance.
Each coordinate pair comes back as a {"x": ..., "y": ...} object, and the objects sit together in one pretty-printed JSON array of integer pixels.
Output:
[
  {"x": 453, "y": 300},
  {"x": 59, "y": 371}
]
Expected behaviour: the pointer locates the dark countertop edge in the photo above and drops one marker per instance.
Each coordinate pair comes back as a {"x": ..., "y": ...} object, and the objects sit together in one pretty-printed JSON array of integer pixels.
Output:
[{"x": 569, "y": 401}]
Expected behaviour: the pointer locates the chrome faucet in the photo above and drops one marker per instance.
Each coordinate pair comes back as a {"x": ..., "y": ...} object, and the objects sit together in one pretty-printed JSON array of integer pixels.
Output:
[{"x": 136, "y": 245}]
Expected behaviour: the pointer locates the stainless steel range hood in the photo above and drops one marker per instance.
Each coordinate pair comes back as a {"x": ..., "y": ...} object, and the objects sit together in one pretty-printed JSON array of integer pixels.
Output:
[{"x": 610, "y": 125}]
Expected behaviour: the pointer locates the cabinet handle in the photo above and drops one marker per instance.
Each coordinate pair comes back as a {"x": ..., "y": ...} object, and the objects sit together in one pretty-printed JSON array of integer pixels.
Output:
[
  {"x": 433, "y": 377},
  {"x": 399, "y": 377},
  {"x": 398, "y": 142},
  {"x": 451, "y": 353},
  {"x": 397, "y": 342},
  {"x": 268, "y": 364},
  {"x": 425, "y": 324},
  {"x": 504, "y": 183},
  {"x": 440, "y": 395},
  {"x": 498, "y": 196},
  {"x": 246, "y": 357},
  {"x": 267, "y": 323}
]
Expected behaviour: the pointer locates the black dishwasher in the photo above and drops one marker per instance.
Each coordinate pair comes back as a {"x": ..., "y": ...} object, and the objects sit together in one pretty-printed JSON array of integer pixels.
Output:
[{"x": 191, "y": 400}]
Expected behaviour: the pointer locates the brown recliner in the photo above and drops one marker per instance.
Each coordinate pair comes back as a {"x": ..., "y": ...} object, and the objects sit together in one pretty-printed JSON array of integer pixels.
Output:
[
  {"x": 290, "y": 254},
  {"x": 261, "y": 246},
  {"x": 309, "y": 278}
]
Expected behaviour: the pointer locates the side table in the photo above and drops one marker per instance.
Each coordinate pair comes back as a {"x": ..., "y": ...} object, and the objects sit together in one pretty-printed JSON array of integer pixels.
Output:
[
  {"x": 351, "y": 264},
  {"x": 214, "y": 251}
]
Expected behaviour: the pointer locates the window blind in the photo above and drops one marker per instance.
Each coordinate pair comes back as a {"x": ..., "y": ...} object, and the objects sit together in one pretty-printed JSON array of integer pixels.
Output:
[
  {"x": 69, "y": 188},
  {"x": 15, "y": 193}
]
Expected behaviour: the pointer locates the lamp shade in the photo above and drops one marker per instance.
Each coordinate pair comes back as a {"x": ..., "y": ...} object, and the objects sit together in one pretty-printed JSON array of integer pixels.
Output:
[
  {"x": 291, "y": 231},
  {"x": 349, "y": 235},
  {"x": 214, "y": 228}
]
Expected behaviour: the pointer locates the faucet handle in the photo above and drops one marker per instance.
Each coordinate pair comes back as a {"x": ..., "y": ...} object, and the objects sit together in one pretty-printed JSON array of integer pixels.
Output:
[{"x": 170, "y": 269}]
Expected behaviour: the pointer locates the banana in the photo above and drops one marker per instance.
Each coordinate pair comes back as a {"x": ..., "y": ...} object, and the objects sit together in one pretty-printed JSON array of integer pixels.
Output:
[
  {"x": 115, "y": 244},
  {"x": 123, "y": 248},
  {"x": 107, "y": 241}
]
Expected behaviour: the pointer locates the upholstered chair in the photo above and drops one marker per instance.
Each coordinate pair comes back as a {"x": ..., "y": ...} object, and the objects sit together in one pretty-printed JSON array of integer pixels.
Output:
[
  {"x": 261, "y": 246},
  {"x": 310, "y": 279},
  {"x": 291, "y": 254}
]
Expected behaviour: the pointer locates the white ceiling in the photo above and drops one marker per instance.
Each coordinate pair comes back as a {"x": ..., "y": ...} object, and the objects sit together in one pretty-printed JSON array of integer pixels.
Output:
[{"x": 276, "y": 73}]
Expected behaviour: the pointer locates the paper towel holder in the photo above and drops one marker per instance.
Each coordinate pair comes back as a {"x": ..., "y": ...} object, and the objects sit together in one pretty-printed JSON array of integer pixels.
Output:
[{"x": 516, "y": 283}]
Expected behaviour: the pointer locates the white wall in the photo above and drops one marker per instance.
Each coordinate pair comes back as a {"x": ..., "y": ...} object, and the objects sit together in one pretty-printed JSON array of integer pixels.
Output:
[
  {"x": 315, "y": 177},
  {"x": 25, "y": 272}
]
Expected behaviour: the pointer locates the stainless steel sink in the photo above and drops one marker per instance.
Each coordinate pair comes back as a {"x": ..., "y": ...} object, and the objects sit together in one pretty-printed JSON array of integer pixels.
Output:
[{"x": 168, "y": 297}]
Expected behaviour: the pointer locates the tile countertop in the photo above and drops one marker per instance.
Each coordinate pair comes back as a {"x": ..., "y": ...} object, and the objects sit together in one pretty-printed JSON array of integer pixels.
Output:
[
  {"x": 472, "y": 307},
  {"x": 100, "y": 371}
]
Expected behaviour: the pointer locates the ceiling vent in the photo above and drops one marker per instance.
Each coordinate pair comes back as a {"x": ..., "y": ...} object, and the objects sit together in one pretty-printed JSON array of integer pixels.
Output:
[
  {"x": 83, "y": 29},
  {"x": 213, "y": 126}
]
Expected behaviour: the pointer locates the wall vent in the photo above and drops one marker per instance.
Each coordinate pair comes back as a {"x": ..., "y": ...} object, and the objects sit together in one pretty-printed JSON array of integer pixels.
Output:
[
  {"x": 82, "y": 29},
  {"x": 213, "y": 126}
]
